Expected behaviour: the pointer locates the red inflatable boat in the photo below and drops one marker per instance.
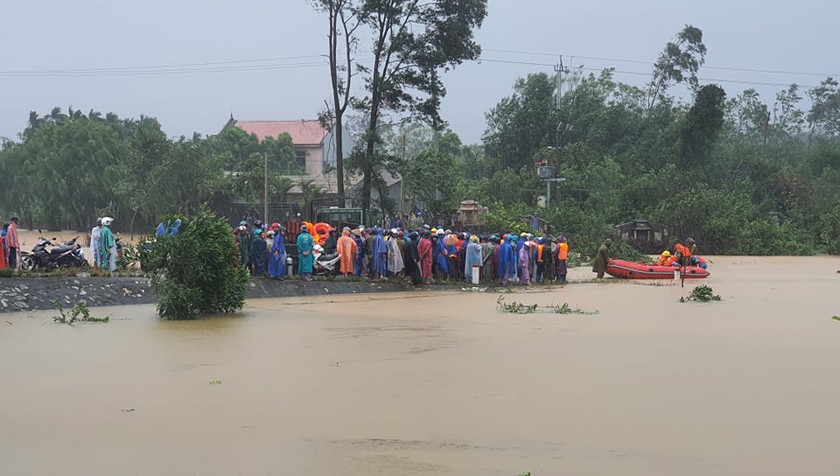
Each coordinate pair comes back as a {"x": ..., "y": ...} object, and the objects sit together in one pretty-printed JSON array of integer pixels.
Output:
[{"x": 628, "y": 269}]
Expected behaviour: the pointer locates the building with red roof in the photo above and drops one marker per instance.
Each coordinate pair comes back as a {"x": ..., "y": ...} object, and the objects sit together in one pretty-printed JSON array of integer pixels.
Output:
[{"x": 314, "y": 145}]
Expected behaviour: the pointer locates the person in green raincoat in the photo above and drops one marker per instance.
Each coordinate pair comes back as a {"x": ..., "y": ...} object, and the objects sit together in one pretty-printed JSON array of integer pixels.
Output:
[
  {"x": 107, "y": 246},
  {"x": 245, "y": 244},
  {"x": 602, "y": 257},
  {"x": 305, "y": 256}
]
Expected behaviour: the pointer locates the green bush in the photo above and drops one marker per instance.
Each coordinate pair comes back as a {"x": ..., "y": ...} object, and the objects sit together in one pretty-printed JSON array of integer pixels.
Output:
[
  {"x": 622, "y": 250},
  {"x": 197, "y": 271}
]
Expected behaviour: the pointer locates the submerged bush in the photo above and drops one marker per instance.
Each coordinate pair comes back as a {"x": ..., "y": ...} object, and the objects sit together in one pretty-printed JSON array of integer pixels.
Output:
[
  {"x": 701, "y": 293},
  {"x": 196, "y": 272}
]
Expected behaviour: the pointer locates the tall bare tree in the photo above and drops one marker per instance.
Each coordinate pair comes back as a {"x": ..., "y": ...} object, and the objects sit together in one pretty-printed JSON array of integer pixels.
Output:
[{"x": 344, "y": 19}]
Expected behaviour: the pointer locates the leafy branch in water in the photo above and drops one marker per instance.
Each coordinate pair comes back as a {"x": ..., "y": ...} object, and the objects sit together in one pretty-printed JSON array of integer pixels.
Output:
[
  {"x": 520, "y": 308},
  {"x": 701, "y": 293},
  {"x": 567, "y": 309},
  {"x": 79, "y": 312},
  {"x": 514, "y": 307},
  {"x": 836, "y": 318}
]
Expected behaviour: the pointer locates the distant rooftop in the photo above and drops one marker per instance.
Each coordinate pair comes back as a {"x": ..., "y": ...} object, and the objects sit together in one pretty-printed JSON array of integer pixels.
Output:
[{"x": 303, "y": 132}]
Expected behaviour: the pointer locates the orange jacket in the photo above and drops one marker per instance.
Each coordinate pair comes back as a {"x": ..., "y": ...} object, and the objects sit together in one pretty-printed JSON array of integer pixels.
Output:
[{"x": 562, "y": 251}]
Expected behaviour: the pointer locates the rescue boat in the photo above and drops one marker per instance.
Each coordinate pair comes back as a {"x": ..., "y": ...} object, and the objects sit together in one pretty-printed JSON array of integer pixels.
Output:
[{"x": 630, "y": 270}]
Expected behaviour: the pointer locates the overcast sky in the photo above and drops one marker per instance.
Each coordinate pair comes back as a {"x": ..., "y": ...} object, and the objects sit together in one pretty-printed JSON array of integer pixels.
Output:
[{"x": 61, "y": 35}]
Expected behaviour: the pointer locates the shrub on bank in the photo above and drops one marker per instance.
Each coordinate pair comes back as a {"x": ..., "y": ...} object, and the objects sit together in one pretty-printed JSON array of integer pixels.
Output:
[{"x": 196, "y": 272}]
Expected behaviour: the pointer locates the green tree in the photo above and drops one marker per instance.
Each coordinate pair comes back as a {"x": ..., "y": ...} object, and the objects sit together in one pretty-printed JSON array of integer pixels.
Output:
[
  {"x": 788, "y": 119},
  {"x": 413, "y": 41},
  {"x": 677, "y": 63},
  {"x": 824, "y": 116},
  {"x": 196, "y": 272},
  {"x": 429, "y": 179},
  {"x": 702, "y": 125},
  {"x": 748, "y": 116},
  {"x": 522, "y": 123}
]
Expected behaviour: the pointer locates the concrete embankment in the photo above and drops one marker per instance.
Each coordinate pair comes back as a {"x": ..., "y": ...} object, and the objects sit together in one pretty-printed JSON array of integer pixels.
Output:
[{"x": 29, "y": 294}]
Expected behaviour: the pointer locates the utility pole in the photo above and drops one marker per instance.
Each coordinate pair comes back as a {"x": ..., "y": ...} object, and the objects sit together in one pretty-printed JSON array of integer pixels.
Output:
[
  {"x": 265, "y": 190},
  {"x": 558, "y": 68}
]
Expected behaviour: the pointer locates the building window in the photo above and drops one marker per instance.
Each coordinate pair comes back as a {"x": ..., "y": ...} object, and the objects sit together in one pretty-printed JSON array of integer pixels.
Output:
[{"x": 300, "y": 155}]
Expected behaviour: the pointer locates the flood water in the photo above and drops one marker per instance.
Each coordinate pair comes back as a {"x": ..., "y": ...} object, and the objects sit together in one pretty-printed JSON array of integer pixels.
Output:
[{"x": 433, "y": 384}]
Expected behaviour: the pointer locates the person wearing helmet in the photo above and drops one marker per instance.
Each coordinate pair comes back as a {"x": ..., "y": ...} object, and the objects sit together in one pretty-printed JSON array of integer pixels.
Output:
[
  {"x": 94, "y": 243},
  {"x": 426, "y": 253},
  {"x": 107, "y": 246},
  {"x": 472, "y": 257},
  {"x": 525, "y": 263},
  {"x": 277, "y": 256},
  {"x": 260, "y": 250},
  {"x": 306, "y": 259},
  {"x": 664, "y": 259},
  {"x": 246, "y": 245}
]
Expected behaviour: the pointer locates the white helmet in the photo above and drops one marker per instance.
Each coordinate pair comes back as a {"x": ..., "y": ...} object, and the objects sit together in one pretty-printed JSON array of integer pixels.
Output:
[{"x": 107, "y": 221}]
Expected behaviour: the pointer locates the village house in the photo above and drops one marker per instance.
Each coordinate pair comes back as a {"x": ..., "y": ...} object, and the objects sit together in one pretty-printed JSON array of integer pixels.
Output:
[{"x": 315, "y": 147}]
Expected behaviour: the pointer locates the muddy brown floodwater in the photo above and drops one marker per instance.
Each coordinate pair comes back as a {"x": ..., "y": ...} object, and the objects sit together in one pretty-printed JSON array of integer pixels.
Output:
[{"x": 434, "y": 384}]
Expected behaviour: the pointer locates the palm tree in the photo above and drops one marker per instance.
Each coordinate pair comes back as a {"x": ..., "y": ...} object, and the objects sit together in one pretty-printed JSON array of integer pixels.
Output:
[{"x": 309, "y": 191}]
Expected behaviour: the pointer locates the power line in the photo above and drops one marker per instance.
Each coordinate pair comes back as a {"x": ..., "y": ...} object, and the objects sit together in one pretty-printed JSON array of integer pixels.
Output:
[
  {"x": 651, "y": 63},
  {"x": 209, "y": 66},
  {"x": 638, "y": 73},
  {"x": 253, "y": 64}
]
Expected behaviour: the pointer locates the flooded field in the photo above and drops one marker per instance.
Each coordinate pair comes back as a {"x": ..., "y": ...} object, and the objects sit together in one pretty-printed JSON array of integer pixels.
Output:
[{"x": 442, "y": 384}]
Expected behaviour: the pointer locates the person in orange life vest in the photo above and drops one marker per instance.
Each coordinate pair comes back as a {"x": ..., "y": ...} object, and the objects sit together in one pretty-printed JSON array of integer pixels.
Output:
[
  {"x": 562, "y": 255},
  {"x": 539, "y": 245},
  {"x": 664, "y": 259}
]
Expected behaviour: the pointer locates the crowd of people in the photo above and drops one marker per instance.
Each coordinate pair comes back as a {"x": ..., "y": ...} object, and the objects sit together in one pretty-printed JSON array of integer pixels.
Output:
[
  {"x": 420, "y": 255},
  {"x": 103, "y": 245}
]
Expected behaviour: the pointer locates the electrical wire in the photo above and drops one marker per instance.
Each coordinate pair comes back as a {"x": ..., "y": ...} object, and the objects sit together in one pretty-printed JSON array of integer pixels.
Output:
[
  {"x": 651, "y": 63},
  {"x": 639, "y": 73}
]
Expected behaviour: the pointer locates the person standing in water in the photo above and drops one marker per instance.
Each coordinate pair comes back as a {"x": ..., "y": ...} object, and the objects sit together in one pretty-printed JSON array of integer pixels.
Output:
[{"x": 602, "y": 257}]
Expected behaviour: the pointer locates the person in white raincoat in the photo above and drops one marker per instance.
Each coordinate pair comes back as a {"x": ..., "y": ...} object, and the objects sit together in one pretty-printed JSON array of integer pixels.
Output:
[{"x": 395, "y": 258}]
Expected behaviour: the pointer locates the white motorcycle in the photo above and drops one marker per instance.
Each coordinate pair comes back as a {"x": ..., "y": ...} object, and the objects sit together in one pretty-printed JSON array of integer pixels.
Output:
[{"x": 325, "y": 264}]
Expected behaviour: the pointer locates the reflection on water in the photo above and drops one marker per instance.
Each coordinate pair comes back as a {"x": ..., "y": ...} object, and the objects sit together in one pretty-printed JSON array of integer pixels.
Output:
[{"x": 429, "y": 383}]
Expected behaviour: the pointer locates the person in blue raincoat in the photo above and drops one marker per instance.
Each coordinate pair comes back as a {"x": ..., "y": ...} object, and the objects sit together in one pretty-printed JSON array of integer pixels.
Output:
[
  {"x": 305, "y": 256},
  {"x": 441, "y": 256},
  {"x": 507, "y": 261},
  {"x": 277, "y": 257},
  {"x": 359, "y": 262},
  {"x": 380, "y": 254},
  {"x": 472, "y": 257}
]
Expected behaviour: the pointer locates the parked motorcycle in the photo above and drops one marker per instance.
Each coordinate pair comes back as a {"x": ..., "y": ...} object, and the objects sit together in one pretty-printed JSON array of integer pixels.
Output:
[
  {"x": 67, "y": 255},
  {"x": 325, "y": 264}
]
